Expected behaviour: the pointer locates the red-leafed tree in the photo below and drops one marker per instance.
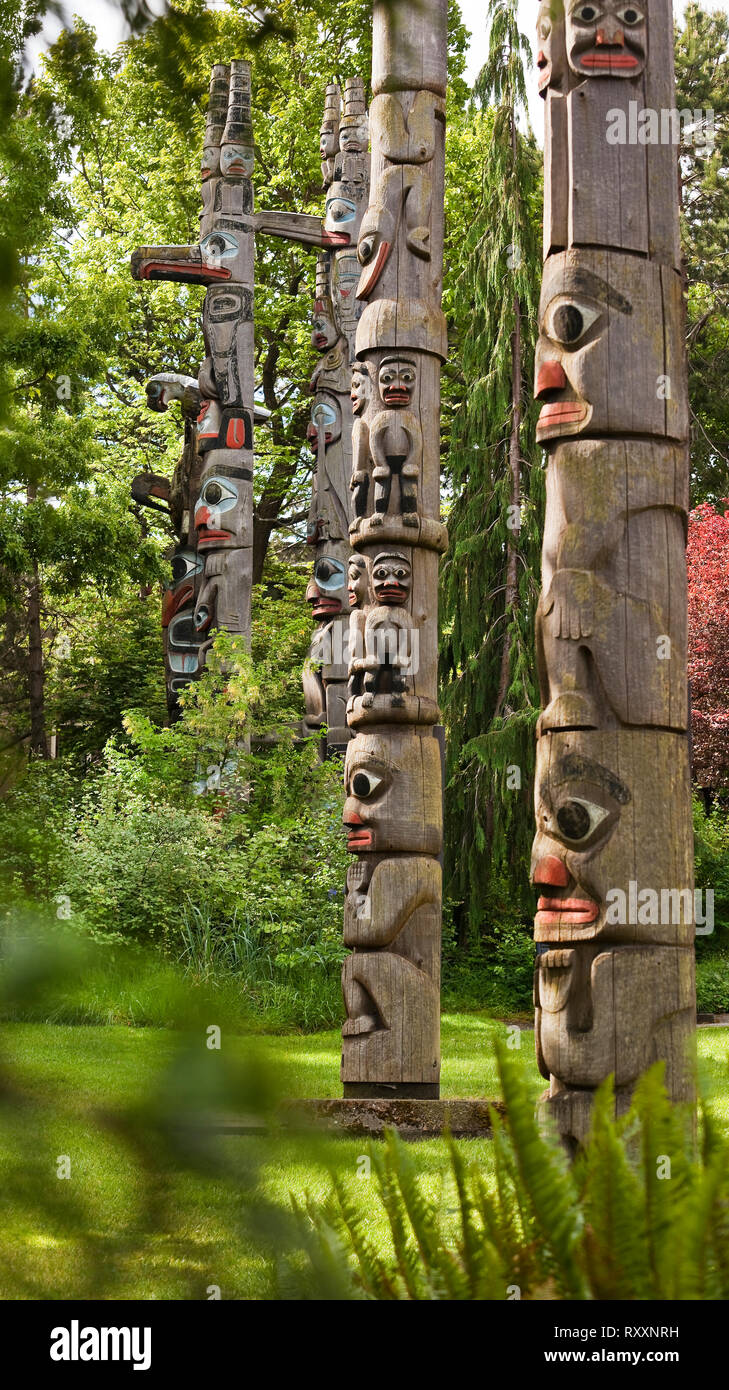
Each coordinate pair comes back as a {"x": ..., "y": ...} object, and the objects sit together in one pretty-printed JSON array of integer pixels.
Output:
[{"x": 708, "y": 662}]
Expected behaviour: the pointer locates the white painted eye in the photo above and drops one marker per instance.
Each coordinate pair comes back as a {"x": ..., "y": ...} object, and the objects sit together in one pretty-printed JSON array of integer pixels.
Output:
[
  {"x": 568, "y": 318},
  {"x": 364, "y": 784},
  {"x": 329, "y": 574},
  {"x": 218, "y": 246},
  {"x": 586, "y": 14},
  {"x": 341, "y": 210},
  {"x": 576, "y": 819},
  {"x": 630, "y": 15},
  {"x": 218, "y": 495}
]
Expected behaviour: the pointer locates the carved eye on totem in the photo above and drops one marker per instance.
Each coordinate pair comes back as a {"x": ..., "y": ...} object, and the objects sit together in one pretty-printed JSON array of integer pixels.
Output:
[
  {"x": 630, "y": 15},
  {"x": 219, "y": 246},
  {"x": 184, "y": 563},
  {"x": 323, "y": 416},
  {"x": 202, "y": 618},
  {"x": 218, "y": 494},
  {"x": 586, "y": 14},
  {"x": 567, "y": 319},
  {"x": 578, "y": 818},
  {"x": 365, "y": 784},
  {"x": 366, "y": 248},
  {"x": 341, "y": 210},
  {"x": 329, "y": 574}
]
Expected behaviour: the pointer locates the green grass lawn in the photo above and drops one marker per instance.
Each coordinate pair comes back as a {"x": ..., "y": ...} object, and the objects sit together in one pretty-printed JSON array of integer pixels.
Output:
[{"x": 150, "y": 1213}]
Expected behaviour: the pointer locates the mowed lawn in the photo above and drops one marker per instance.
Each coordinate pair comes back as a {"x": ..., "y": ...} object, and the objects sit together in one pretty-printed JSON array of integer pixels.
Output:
[{"x": 160, "y": 1212}]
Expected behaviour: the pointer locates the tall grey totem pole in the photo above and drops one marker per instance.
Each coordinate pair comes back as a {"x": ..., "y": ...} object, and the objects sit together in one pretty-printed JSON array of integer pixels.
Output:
[
  {"x": 346, "y": 173},
  {"x": 393, "y": 810},
  {"x": 612, "y": 859},
  {"x": 212, "y": 563}
]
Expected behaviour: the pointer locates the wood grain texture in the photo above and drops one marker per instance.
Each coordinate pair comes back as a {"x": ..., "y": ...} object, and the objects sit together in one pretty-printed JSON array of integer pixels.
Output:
[
  {"x": 393, "y": 810},
  {"x": 612, "y": 861}
]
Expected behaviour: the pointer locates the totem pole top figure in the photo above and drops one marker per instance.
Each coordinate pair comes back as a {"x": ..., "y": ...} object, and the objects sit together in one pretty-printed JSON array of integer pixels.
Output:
[{"x": 329, "y": 133}]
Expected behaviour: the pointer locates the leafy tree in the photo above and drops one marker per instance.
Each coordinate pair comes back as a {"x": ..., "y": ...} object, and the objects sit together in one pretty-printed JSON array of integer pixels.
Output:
[{"x": 490, "y": 576}]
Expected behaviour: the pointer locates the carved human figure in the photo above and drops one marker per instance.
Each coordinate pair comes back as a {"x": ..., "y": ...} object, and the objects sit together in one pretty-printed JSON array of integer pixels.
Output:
[
  {"x": 361, "y": 461},
  {"x": 358, "y": 590},
  {"x": 388, "y": 628},
  {"x": 396, "y": 439},
  {"x": 329, "y": 132},
  {"x": 606, "y": 38}
]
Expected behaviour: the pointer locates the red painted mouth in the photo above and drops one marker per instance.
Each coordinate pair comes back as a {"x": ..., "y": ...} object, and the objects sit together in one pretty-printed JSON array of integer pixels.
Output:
[
  {"x": 237, "y": 167},
  {"x": 325, "y": 607},
  {"x": 320, "y": 340},
  {"x": 371, "y": 274},
  {"x": 577, "y": 911},
  {"x": 335, "y": 238},
  {"x": 396, "y": 396},
  {"x": 560, "y": 413},
  {"x": 611, "y": 61},
  {"x": 183, "y": 274},
  {"x": 208, "y": 537},
  {"x": 352, "y": 599},
  {"x": 359, "y": 838},
  {"x": 395, "y": 592}
]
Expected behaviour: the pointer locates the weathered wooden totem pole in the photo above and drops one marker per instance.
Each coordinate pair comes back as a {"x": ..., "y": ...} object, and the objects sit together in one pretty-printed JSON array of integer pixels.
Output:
[
  {"x": 612, "y": 859},
  {"x": 345, "y": 167},
  {"x": 220, "y": 501},
  {"x": 393, "y": 810}
]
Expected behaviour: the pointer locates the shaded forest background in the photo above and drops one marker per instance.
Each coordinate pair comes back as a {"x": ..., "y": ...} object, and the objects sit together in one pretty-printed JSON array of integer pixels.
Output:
[{"x": 154, "y": 839}]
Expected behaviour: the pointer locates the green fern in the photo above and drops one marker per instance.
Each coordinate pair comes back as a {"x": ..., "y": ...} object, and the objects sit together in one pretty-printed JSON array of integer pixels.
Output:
[{"x": 613, "y": 1225}]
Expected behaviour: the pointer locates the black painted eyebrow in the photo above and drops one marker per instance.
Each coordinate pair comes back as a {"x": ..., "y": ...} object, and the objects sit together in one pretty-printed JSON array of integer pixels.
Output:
[
  {"x": 575, "y": 766},
  {"x": 582, "y": 279}
]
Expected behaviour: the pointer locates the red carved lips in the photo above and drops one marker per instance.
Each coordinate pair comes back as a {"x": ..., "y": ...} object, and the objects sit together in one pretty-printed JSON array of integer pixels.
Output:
[
  {"x": 391, "y": 593},
  {"x": 334, "y": 238},
  {"x": 208, "y": 537},
  {"x": 358, "y": 836},
  {"x": 560, "y": 413},
  {"x": 352, "y": 598},
  {"x": 395, "y": 395},
  {"x": 182, "y": 273},
  {"x": 320, "y": 340},
  {"x": 322, "y": 607},
  {"x": 558, "y": 909}
]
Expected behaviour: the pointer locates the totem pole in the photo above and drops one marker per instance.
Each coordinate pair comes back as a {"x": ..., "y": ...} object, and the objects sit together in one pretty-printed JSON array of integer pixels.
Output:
[
  {"x": 345, "y": 167},
  {"x": 612, "y": 858},
  {"x": 220, "y": 505},
  {"x": 393, "y": 810}
]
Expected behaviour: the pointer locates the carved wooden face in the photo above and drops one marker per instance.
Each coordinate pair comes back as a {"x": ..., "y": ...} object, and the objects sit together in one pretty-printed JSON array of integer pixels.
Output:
[
  {"x": 353, "y": 135},
  {"x": 600, "y": 357},
  {"x": 345, "y": 277},
  {"x": 590, "y": 818},
  {"x": 328, "y": 138},
  {"x": 222, "y": 515},
  {"x": 326, "y": 417},
  {"x": 551, "y": 53},
  {"x": 357, "y": 581},
  {"x": 392, "y": 578},
  {"x": 393, "y": 788},
  {"x": 606, "y": 38},
  {"x": 326, "y": 591},
  {"x": 396, "y": 379},
  {"x": 341, "y": 211},
  {"x": 237, "y": 161},
  {"x": 360, "y": 388},
  {"x": 324, "y": 331},
  {"x": 210, "y": 163}
]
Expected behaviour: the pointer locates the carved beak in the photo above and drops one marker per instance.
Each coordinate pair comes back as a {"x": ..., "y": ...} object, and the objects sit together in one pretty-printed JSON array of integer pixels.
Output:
[
  {"x": 371, "y": 273},
  {"x": 181, "y": 264}
]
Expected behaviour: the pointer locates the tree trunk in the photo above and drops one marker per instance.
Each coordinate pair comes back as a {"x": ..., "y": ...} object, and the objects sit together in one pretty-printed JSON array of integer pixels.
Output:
[{"x": 36, "y": 679}]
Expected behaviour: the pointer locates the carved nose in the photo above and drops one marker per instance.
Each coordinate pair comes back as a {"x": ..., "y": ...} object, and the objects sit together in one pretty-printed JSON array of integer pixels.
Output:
[
  {"x": 550, "y": 377},
  {"x": 551, "y": 870},
  {"x": 312, "y": 592},
  {"x": 203, "y": 516},
  {"x": 353, "y": 819},
  {"x": 611, "y": 36}
]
